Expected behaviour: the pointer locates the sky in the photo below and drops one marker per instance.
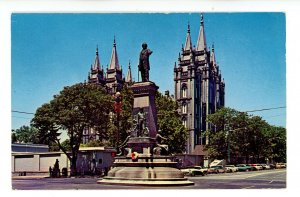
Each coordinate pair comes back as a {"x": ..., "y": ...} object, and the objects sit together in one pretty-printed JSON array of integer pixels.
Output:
[{"x": 50, "y": 51}]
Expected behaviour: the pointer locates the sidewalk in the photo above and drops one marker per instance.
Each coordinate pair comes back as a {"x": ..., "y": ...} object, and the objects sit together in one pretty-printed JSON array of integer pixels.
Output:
[{"x": 29, "y": 177}]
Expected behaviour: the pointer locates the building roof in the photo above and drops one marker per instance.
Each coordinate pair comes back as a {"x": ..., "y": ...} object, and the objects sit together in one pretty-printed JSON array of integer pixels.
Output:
[
  {"x": 114, "y": 61},
  {"x": 201, "y": 43},
  {"x": 129, "y": 75},
  {"x": 96, "y": 65},
  {"x": 188, "y": 40}
]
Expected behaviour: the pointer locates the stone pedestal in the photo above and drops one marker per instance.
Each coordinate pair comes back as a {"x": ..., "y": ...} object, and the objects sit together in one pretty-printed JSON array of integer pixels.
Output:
[
  {"x": 144, "y": 97},
  {"x": 139, "y": 144},
  {"x": 146, "y": 170},
  {"x": 139, "y": 165}
]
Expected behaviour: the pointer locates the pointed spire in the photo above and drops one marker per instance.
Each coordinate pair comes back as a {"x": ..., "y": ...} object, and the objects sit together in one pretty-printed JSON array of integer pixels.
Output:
[
  {"x": 212, "y": 56},
  {"x": 129, "y": 75},
  {"x": 201, "y": 42},
  {"x": 114, "y": 61},
  {"x": 188, "y": 40},
  {"x": 175, "y": 65},
  {"x": 97, "y": 60}
]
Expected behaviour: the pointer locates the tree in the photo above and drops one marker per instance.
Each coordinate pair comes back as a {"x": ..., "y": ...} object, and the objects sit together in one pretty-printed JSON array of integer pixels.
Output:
[
  {"x": 222, "y": 135},
  {"x": 240, "y": 136},
  {"x": 76, "y": 107},
  {"x": 169, "y": 123},
  {"x": 26, "y": 134},
  {"x": 13, "y": 136},
  {"x": 277, "y": 143}
]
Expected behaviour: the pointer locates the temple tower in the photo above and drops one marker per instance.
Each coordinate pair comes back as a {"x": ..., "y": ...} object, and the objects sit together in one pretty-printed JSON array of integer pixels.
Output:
[
  {"x": 199, "y": 90},
  {"x": 114, "y": 78}
]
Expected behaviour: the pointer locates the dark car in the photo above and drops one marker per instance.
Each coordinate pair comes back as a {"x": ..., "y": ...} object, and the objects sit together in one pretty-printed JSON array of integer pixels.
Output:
[
  {"x": 244, "y": 168},
  {"x": 216, "y": 169}
]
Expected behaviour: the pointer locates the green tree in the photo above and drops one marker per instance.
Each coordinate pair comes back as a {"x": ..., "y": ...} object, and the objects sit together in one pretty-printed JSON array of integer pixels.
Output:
[
  {"x": 26, "y": 134},
  {"x": 170, "y": 124},
  {"x": 225, "y": 124},
  {"x": 277, "y": 144},
  {"x": 66, "y": 145},
  {"x": 13, "y": 136},
  {"x": 76, "y": 107},
  {"x": 238, "y": 136}
]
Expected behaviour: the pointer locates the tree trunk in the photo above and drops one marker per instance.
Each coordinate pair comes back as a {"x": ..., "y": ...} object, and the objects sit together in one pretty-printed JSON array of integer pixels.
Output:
[{"x": 73, "y": 166}]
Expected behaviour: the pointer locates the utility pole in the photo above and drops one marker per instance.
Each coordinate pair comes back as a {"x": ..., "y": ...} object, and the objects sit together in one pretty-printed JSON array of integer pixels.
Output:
[{"x": 227, "y": 129}]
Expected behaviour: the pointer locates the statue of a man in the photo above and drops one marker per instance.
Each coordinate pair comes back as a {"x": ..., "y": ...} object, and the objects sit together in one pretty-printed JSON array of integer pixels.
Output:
[
  {"x": 144, "y": 65},
  {"x": 140, "y": 122}
]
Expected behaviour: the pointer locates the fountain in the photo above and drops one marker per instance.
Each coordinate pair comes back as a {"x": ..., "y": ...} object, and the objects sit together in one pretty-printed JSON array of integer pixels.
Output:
[{"x": 142, "y": 158}]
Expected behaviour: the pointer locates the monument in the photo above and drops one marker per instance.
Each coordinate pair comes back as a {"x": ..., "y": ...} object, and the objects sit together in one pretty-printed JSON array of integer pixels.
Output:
[{"x": 142, "y": 158}]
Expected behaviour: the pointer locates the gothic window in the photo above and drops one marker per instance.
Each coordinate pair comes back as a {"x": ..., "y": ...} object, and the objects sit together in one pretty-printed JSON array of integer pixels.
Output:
[
  {"x": 184, "y": 90},
  {"x": 184, "y": 123},
  {"x": 184, "y": 108}
]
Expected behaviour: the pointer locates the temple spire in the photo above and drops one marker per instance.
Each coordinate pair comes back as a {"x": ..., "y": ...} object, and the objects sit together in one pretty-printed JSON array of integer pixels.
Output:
[
  {"x": 201, "y": 42},
  {"x": 114, "y": 62},
  {"x": 188, "y": 40},
  {"x": 96, "y": 64},
  {"x": 213, "y": 57},
  {"x": 129, "y": 75}
]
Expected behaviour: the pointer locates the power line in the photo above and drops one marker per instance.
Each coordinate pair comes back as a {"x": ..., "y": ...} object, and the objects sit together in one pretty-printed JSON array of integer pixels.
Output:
[
  {"x": 21, "y": 112},
  {"x": 21, "y": 117},
  {"x": 266, "y": 109}
]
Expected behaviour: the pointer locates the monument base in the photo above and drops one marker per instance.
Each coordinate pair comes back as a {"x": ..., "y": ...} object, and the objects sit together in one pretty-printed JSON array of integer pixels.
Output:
[{"x": 146, "y": 171}]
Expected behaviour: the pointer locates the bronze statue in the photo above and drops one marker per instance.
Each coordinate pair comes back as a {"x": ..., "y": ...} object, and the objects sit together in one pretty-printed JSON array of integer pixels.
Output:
[
  {"x": 141, "y": 122},
  {"x": 144, "y": 65}
]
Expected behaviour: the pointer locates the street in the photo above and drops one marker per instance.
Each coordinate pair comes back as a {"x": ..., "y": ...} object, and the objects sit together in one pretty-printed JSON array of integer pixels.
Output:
[{"x": 241, "y": 180}]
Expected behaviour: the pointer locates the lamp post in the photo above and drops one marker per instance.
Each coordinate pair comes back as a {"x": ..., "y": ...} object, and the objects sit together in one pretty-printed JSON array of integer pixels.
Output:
[
  {"x": 118, "y": 109},
  {"x": 227, "y": 129}
]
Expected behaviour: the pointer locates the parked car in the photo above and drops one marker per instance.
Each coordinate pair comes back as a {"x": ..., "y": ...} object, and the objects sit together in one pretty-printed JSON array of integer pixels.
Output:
[
  {"x": 256, "y": 166},
  {"x": 216, "y": 169},
  {"x": 195, "y": 170},
  {"x": 265, "y": 166},
  {"x": 272, "y": 166},
  {"x": 244, "y": 167},
  {"x": 280, "y": 165},
  {"x": 231, "y": 168}
]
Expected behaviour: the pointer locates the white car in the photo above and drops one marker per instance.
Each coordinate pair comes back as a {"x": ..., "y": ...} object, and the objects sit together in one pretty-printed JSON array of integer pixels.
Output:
[
  {"x": 265, "y": 166},
  {"x": 193, "y": 171},
  {"x": 231, "y": 168}
]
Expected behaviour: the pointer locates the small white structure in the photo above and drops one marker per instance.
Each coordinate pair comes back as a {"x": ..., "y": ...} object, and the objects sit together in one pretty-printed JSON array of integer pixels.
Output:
[{"x": 90, "y": 159}]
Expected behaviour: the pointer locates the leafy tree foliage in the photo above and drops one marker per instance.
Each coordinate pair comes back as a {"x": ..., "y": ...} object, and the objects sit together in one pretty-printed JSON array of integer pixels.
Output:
[
  {"x": 169, "y": 123},
  {"x": 76, "y": 107},
  {"x": 13, "y": 137},
  {"x": 94, "y": 143},
  {"x": 239, "y": 136},
  {"x": 25, "y": 134}
]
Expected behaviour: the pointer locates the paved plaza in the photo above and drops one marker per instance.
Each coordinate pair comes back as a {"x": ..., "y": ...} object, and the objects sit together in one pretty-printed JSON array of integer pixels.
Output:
[{"x": 271, "y": 179}]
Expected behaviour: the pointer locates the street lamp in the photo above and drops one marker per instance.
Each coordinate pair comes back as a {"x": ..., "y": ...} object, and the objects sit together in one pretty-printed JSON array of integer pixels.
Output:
[{"x": 227, "y": 129}]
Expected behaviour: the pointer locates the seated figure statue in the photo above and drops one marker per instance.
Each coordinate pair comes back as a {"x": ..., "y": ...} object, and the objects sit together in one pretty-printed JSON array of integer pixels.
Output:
[{"x": 160, "y": 149}]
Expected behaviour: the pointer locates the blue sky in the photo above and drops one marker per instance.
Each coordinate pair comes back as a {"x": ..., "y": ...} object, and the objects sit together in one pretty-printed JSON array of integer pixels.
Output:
[{"x": 50, "y": 51}]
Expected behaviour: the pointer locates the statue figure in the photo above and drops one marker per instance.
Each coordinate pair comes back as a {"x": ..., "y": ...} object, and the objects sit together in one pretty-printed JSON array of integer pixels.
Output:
[
  {"x": 141, "y": 122},
  {"x": 144, "y": 65},
  {"x": 160, "y": 149}
]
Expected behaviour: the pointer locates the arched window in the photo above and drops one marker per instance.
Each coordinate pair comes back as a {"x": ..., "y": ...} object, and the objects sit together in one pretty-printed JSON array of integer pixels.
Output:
[
  {"x": 184, "y": 123},
  {"x": 184, "y": 90},
  {"x": 184, "y": 108}
]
